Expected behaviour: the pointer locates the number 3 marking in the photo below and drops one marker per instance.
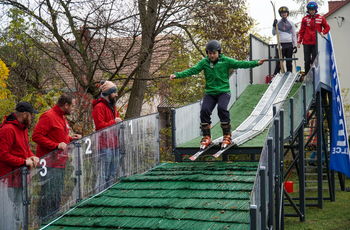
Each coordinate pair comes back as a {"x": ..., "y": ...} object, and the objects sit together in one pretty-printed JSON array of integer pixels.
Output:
[{"x": 43, "y": 162}]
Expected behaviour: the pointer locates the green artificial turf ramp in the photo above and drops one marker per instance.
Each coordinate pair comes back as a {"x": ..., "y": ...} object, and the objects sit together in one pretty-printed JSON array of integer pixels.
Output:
[{"x": 196, "y": 195}]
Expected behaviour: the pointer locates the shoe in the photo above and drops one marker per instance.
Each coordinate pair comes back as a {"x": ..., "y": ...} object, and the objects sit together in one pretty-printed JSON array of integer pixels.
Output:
[
  {"x": 226, "y": 141},
  {"x": 206, "y": 140}
]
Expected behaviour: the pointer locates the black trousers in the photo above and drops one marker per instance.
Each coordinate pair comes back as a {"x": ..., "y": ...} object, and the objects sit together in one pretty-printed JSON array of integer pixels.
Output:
[
  {"x": 287, "y": 52},
  {"x": 309, "y": 56},
  {"x": 209, "y": 103}
]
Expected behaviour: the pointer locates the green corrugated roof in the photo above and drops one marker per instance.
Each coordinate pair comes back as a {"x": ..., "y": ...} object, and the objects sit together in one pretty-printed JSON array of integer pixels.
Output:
[{"x": 196, "y": 195}]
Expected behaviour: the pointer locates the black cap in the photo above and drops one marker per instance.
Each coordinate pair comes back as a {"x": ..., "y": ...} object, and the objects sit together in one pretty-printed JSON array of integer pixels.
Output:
[{"x": 24, "y": 106}]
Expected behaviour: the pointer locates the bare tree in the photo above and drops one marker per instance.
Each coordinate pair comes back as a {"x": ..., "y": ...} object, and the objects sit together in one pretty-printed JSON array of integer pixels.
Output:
[{"x": 116, "y": 40}]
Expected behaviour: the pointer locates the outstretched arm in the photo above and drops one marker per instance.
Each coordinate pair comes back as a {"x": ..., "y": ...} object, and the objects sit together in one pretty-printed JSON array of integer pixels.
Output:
[{"x": 261, "y": 61}]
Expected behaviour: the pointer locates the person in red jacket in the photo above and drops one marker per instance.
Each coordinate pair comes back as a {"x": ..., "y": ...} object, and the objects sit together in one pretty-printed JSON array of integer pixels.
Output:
[
  {"x": 307, "y": 34},
  {"x": 52, "y": 133},
  {"x": 105, "y": 114},
  {"x": 14, "y": 153}
]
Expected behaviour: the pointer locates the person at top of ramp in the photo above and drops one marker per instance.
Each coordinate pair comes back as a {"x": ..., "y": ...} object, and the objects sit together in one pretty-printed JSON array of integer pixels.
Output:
[
  {"x": 288, "y": 38},
  {"x": 307, "y": 34}
]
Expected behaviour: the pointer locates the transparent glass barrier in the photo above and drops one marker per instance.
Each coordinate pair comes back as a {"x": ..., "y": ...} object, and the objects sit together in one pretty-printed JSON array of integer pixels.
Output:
[
  {"x": 86, "y": 167},
  {"x": 286, "y": 123},
  {"x": 100, "y": 158},
  {"x": 298, "y": 108},
  {"x": 187, "y": 123},
  {"x": 309, "y": 87},
  {"x": 53, "y": 186},
  {"x": 11, "y": 201},
  {"x": 259, "y": 50},
  {"x": 324, "y": 59},
  {"x": 141, "y": 137}
]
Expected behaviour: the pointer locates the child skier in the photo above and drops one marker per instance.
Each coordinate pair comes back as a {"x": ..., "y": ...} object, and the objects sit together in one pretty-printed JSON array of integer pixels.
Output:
[{"x": 216, "y": 68}]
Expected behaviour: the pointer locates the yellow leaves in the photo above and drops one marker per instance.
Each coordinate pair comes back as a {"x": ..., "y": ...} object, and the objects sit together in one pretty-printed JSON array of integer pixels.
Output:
[{"x": 4, "y": 73}]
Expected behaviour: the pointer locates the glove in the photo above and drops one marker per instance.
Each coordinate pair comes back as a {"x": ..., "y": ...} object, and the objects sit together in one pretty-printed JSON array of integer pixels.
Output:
[
  {"x": 274, "y": 23},
  {"x": 295, "y": 49}
]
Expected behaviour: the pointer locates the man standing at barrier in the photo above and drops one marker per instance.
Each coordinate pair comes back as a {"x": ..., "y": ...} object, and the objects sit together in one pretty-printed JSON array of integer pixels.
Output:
[
  {"x": 311, "y": 23},
  {"x": 52, "y": 133},
  {"x": 105, "y": 114},
  {"x": 14, "y": 153},
  {"x": 286, "y": 29},
  {"x": 216, "y": 68}
]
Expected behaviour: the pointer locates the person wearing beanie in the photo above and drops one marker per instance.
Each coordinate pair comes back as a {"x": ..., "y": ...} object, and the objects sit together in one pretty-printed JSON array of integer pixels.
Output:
[{"x": 105, "y": 114}]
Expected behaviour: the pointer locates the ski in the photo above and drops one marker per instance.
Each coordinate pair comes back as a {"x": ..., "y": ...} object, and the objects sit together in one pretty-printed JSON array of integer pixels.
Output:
[
  {"x": 278, "y": 40},
  {"x": 201, "y": 151},
  {"x": 221, "y": 151}
]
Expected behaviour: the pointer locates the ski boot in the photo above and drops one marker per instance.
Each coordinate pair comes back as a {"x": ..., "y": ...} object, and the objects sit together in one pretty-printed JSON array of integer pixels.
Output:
[
  {"x": 226, "y": 130},
  {"x": 206, "y": 140}
]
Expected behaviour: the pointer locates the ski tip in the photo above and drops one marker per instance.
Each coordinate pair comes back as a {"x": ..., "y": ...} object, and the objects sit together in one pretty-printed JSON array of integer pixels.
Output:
[
  {"x": 216, "y": 155},
  {"x": 192, "y": 158}
]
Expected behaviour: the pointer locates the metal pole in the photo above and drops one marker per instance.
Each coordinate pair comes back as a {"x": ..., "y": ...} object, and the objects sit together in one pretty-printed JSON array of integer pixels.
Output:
[
  {"x": 319, "y": 149},
  {"x": 303, "y": 87},
  {"x": 291, "y": 105},
  {"x": 282, "y": 165},
  {"x": 270, "y": 178},
  {"x": 277, "y": 172},
  {"x": 301, "y": 172},
  {"x": 26, "y": 202},
  {"x": 78, "y": 173},
  {"x": 313, "y": 84},
  {"x": 253, "y": 217},
  {"x": 262, "y": 172},
  {"x": 122, "y": 150}
]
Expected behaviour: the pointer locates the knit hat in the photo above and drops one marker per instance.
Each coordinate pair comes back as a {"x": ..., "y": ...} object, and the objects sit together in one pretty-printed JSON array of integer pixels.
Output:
[{"x": 108, "y": 87}]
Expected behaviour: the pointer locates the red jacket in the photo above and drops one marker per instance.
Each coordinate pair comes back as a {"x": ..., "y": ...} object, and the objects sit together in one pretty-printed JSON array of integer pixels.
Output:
[
  {"x": 14, "y": 148},
  {"x": 309, "y": 25},
  {"x": 104, "y": 116},
  {"x": 52, "y": 129}
]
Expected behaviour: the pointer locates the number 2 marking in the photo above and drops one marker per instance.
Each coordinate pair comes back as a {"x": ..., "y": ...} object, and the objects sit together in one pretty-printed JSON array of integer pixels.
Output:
[{"x": 88, "y": 149}]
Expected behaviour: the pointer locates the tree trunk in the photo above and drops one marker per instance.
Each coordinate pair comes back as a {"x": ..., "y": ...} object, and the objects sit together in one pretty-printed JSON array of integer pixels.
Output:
[{"x": 148, "y": 18}]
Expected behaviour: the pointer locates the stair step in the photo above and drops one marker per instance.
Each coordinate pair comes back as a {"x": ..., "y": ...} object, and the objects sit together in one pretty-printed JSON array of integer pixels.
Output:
[
  {"x": 315, "y": 174},
  {"x": 315, "y": 188},
  {"x": 315, "y": 181}
]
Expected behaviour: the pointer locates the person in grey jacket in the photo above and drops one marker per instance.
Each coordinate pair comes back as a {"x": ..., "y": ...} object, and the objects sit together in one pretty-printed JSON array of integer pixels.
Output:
[{"x": 288, "y": 38}]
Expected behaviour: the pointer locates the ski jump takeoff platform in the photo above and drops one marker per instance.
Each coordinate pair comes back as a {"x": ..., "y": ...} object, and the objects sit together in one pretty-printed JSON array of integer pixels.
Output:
[{"x": 253, "y": 125}]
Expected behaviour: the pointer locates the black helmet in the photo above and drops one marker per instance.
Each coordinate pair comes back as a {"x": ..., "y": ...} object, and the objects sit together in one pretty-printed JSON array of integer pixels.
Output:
[
  {"x": 283, "y": 9},
  {"x": 312, "y": 6},
  {"x": 213, "y": 45}
]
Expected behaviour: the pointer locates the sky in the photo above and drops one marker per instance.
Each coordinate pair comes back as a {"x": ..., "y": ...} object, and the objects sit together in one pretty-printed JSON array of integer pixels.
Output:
[{"x": 262, "y": 12}]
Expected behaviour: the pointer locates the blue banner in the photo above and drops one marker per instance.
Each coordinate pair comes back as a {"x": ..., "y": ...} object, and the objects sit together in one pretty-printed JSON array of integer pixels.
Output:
[{"x": 340, "y": 160}]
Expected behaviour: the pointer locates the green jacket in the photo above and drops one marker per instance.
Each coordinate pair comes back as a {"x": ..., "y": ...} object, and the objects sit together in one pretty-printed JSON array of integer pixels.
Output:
[{"x": 217, "y": 76}]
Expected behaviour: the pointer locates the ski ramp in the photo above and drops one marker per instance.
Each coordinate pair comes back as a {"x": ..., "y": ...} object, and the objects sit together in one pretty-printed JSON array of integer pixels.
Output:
[{"x": 262, "y": 115}]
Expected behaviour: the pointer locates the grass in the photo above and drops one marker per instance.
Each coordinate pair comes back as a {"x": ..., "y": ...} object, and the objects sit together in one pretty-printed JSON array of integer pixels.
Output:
[{"x": 333, "y": 216}]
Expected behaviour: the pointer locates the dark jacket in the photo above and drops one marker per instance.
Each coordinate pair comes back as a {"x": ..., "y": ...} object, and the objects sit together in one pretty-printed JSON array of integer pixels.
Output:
[
  {"x": 14, "y": 148},
  {"x": 216, "y": 74},
  {"x": 104, "y": 115}
]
